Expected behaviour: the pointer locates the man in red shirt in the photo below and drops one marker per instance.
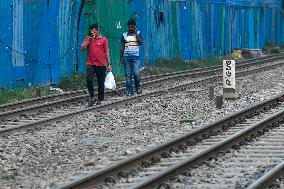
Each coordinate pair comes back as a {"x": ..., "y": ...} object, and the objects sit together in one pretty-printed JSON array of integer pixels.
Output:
[{"x": 97, "y": 56}]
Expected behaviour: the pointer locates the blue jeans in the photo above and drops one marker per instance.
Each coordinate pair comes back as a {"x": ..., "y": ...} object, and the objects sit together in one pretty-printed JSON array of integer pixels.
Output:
[{"x": 131, "y": 66}]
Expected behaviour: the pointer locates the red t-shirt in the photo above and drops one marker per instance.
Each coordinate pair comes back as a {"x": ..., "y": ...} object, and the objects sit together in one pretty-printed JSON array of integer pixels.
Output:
[{"x": 96, "y": 51}]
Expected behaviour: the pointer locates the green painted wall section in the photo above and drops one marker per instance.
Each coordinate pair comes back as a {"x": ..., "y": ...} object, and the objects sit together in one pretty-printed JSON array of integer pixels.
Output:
[
  {"x": 112, "y": 17},
  {"x": 174, "y": 28}
]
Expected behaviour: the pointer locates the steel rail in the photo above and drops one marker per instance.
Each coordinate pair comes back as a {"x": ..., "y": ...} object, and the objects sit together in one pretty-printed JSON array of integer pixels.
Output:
[
  {"x": 184, "y": 74},
  {"x": 268, "y": 178},
  {"x": 129, "y": 99},
  {"x": 119, "y": 102},
  {"x": 83, "y": 93},
  {"x": 156, "y": 180},
  {"x": 177, "y": 143}
]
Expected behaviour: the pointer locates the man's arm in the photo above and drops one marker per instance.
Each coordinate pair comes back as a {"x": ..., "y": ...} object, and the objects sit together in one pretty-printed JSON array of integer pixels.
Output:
[
  {"x": 107, "y": 56},
  {"x": 139, "y": 39},
  {"x": 106, "y": 50},
  {"x": 86, "y": 42},
  {"x": 106, "y": 47},
  {"x": 108, "y": 60},
  {"x": 122, "y": 52}
]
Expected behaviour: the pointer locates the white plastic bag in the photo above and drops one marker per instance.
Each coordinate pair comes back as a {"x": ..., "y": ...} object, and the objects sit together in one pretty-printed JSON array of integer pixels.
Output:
[{"x": 109, "y": 81}]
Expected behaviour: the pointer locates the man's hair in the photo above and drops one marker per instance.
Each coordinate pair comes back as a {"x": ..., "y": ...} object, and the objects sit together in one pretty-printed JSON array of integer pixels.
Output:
[
  {"x": 96, "y": 26},
  {"x": 131, "y": 21}
]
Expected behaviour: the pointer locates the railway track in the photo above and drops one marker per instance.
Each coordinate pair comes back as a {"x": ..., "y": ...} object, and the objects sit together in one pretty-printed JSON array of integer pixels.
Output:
[
  {"x": 269, "y": 178},
  {"x": 8, "y": 109},
  {"x": 222, "y": 145},
  {"x": 15, "y": 120}
]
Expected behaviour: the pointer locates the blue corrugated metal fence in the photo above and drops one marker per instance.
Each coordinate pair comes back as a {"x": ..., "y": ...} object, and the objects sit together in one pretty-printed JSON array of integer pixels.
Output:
[{"x": 40, "y": 39}]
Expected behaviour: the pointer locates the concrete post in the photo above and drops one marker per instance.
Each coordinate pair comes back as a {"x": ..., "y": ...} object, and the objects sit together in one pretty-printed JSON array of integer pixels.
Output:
[
  {"x": 219, "y": 102},
  {"x": 211, "y": 92}
]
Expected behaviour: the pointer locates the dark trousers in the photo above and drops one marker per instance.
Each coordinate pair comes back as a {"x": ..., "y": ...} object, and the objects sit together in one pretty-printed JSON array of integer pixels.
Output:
[{"x": 100, "y": 72}]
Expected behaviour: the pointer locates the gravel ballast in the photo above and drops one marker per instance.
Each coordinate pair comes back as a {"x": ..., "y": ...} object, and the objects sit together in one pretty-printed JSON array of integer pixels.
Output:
[{"x": 44, "y": 157}]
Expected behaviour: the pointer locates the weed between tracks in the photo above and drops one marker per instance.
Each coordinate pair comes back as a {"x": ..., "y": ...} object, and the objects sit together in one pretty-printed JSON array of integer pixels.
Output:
[
  {"x": 177, "y": 64},
  {"x": 14, "y": 95},
  {"x": 8, "y": 176},
  {"x": 79, "y": 83}
]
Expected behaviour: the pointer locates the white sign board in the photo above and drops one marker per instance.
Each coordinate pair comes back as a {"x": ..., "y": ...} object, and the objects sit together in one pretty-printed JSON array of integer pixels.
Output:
[{"x": 229, "y": 74}]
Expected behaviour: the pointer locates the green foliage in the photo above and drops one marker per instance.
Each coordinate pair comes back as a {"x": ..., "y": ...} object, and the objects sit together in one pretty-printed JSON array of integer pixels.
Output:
[
  {"x": 9, "y": 176},
  {"x": 178, "y": 64},
  {"x": 66, "y": 84},
  {"x": 212, "y": 61},
  {"x": 118, "y": 78},
  {"x": 271, "y": 48},
  {"x": 173, "y": 65},
  {"x": 268, "y": 44},
  {"x": 275, "y": 50},
  {"x": 13, "y": 95},
  {"x": 72, "y": 83},
  {"x": 79, "y": 83}
]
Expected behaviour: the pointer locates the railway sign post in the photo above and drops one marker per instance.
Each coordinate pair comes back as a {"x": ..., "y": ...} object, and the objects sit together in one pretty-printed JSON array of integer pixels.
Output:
[{"x": 229, "y": 84}]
